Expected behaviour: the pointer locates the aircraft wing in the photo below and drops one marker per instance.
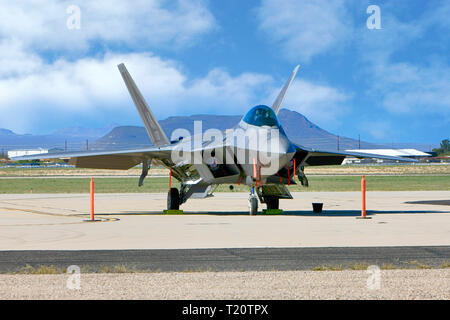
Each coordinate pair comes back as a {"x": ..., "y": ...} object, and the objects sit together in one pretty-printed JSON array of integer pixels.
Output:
[
  {"x": 121, "y": 159},
  {"x": 314, "y": 157},
  {"x": 112, "y": 159}
]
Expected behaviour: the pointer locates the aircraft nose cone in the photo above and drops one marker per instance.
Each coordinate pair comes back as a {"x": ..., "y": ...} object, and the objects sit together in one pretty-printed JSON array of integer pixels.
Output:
[{"x": 280, "y": 152}]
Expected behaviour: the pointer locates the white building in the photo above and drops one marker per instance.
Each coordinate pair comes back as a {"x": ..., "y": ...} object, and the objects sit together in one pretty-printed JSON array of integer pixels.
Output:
[
  {"x": 25, "y": 152},
  {"x": 407, "y": 153},
  {"x": 394, "y": 152}
]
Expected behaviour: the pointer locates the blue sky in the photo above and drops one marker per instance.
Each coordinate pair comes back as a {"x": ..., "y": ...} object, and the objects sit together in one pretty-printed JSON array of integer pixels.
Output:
[{"x": 222, "y": 57}]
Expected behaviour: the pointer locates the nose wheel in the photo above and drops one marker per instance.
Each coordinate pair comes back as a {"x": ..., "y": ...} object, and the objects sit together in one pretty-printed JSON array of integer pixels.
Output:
[
  {"x": 253, "y": 202},
  {"x": 173, "y": 199}
]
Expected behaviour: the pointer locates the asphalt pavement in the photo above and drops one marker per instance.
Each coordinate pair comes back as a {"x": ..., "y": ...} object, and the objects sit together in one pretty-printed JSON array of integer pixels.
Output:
[{"x": 227, "y": 259}]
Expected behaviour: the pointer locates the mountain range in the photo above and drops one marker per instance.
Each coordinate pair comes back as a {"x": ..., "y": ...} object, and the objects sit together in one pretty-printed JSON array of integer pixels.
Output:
[{"x": 298, "y": 128}]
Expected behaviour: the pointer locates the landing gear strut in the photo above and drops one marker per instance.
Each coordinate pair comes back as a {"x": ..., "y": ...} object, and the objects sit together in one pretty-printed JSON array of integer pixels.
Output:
[
  {"x": 253, "y": 202},
  {"x": 173, "y": 199}
]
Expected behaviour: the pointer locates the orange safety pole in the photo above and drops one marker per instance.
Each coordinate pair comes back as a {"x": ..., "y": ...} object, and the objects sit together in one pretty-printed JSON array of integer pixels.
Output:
[
  {"x": 170, "y": 179},
  {"x": 260, "y": 176},
  {"x": 294, "y": 169},
  {"x": 255, "y": 171},
  {"x": 289, "y": 177},
  {"x": 92, "y": 199},
  {"x": 363, "y": 196}
]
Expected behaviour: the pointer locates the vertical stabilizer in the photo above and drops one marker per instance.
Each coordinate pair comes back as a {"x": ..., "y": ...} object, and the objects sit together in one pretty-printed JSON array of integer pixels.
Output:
[
  {"x": 154, "y": 130},
  {"x": 277, "y": 104}
]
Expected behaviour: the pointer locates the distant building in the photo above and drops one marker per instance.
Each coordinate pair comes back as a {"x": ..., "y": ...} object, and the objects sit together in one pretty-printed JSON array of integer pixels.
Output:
[
  {"x": 441, "y": 159},
  {"x": 407, "y": 153},
  {"x": 25, "y": 152}
]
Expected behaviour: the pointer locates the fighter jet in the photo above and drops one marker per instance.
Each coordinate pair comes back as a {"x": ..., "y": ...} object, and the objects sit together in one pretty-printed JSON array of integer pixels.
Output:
[{"x": 256, "y": 153}]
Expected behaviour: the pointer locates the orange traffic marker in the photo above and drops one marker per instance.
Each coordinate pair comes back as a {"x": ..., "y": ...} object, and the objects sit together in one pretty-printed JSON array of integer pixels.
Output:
[
  {"x": 363, "y": 199},
  {"x": 363, "y": 196},
  {"x": 92, "y": 199}
]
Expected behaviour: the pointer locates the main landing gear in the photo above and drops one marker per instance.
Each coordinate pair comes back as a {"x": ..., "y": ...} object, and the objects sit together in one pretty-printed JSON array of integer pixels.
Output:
[
  {"x": 272, "y": 203},
  {"x": 173, "y": 199}
]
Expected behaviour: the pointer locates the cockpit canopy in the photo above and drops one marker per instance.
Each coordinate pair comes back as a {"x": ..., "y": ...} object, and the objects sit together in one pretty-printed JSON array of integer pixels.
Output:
[{"x": 261, "y": 116}]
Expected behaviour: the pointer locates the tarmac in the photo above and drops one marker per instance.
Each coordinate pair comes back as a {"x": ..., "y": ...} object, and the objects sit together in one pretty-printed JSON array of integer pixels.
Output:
[
  {"x": 134, "y": 221},
  {"x": 226, "y": 260},
  {"x": 252, "y": 257}
]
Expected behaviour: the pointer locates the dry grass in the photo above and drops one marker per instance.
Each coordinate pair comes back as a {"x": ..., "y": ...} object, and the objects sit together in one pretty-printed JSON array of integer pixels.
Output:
[
  {"x": 319, "y": 170},
  {"x": 117, "y": 269},
  {"x": 419, "y": 265},
  {"x": 51, "y": 269},
  {"x": 388, "y": 266},
  {"x": 48, "y": 172},
  {"x": 358, "y": 266},
  {"x": 379, "y": 169},
  {"x": 41, "y": 270},
  {"x": 159, "y": 184},
  {"x": 328, "y": 268}
]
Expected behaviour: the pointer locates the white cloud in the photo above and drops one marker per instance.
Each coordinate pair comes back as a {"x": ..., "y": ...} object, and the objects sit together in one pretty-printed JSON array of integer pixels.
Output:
[
  {"x": 404, "y": 87},
  {"x": 418, "y": 90},
  {"x": 36, "y": 93},
  {"x": 41, "y": 24},
  {"x": 439, "y": 16},
  {"x": 378, "y": 129},
  {"x": 232, "y": 93},
  {"x": 14, "y": 60},
  {"x": 319, "y": 102},
  {"x": 90, "y": 87},
  {"x": 305, "y": 28}
]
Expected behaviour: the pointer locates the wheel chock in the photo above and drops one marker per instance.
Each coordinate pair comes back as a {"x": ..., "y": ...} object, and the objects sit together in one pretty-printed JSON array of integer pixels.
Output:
[
  {"x": 173, "y": 211},
  {"x": 272, "y": 211}
]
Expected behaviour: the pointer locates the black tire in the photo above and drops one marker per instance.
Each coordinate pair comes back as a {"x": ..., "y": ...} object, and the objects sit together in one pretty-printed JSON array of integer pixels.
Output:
[
  {"x": 272, "y": 203},
  {"x": 173, "y": 199},
  {"x": 253, "y": 206}
]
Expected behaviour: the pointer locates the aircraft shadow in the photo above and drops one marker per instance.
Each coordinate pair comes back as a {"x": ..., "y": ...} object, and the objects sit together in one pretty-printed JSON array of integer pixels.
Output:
[
  {"x": 434, "y": 202},
  {"x": 325, "y": 213}
]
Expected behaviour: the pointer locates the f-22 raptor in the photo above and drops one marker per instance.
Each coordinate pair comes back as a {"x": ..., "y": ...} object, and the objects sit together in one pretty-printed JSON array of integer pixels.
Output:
[{"x": 256, "y": 152}]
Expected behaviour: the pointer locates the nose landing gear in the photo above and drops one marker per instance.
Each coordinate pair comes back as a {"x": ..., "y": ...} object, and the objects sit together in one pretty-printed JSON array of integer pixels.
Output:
[{"x": 253, "y": 202}]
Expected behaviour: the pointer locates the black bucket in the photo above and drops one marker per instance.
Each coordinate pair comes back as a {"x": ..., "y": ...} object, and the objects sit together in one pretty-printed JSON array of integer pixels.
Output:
[{"x": 317, "y": 207}]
